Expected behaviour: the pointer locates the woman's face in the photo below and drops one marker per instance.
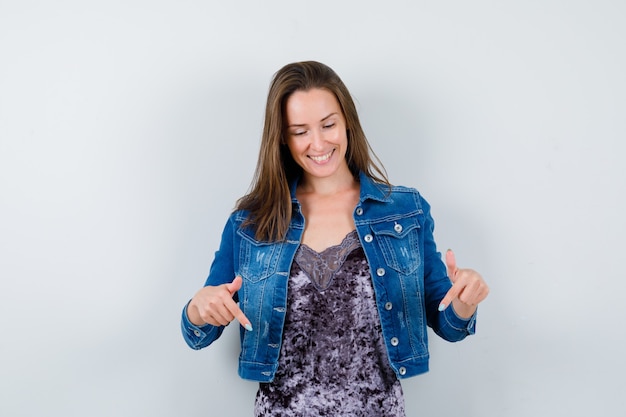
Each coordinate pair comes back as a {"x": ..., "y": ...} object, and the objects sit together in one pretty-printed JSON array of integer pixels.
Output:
[{"x": 316, "y": 133}]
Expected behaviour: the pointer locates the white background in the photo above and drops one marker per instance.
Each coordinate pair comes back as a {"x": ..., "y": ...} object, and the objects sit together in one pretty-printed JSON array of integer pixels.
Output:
[{"x": 128, "y": 129}]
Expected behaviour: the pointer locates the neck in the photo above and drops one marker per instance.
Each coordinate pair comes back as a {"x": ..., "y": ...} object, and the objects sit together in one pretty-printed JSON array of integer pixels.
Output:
[{"x": 339, "y": 182}]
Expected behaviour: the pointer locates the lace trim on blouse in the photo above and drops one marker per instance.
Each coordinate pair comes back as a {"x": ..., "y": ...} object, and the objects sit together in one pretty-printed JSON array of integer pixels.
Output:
[{"x": 321, "y": 267}]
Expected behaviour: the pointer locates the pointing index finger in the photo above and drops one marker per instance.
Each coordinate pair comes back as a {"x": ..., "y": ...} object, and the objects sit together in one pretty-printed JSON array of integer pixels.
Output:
[
  {"x": 452, "y": 293},
  {"x": 235, "y": 310}
]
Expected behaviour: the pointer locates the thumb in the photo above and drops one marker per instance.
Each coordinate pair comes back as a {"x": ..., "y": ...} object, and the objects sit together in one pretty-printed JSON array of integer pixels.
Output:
[
  {"x": 234, "y": 286},
  {"x": 451, "y": 264},
  {"x": 454, "y": 291}
]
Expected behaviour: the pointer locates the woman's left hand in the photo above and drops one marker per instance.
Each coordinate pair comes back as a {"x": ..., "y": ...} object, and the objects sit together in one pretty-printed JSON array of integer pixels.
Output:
[{"x": 468, "y": 289}]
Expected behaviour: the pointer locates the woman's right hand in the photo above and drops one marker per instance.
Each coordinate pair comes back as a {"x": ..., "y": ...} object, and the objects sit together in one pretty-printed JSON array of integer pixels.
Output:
[{"x": 215, "y": 305}]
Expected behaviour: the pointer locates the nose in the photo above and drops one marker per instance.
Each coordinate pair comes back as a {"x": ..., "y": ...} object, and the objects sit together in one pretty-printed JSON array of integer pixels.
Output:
[{"x": 317, "y": 140}]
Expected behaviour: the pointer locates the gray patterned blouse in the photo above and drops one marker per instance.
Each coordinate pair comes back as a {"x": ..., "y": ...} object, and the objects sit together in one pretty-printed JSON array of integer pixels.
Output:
[{"x": 333, "y": 360}]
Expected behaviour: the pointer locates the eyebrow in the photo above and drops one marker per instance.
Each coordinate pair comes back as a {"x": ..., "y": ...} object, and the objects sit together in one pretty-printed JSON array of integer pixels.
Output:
[{"x": 304, "y": 124}]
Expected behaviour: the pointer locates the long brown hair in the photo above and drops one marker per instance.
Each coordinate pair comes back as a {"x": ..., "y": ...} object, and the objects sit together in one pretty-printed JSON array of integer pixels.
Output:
[{"x": 269, "y": 199}]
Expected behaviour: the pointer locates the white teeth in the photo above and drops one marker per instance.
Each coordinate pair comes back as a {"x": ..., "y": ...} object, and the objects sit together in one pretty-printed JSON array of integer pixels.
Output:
[{"x": 321, "y": 158}]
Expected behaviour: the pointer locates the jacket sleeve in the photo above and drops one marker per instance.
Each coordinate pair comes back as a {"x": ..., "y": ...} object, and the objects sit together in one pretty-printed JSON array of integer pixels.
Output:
[
  {"x": 198, "y": 337},
  {"x": 447, "y": 324},
  {"x": 222, "y": 271}
]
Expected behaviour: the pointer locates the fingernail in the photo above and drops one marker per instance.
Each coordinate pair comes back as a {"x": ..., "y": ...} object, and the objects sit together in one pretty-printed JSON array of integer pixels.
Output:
[
  {"x": 442, "y": 307},
  {"x": 248, "y": 327}
]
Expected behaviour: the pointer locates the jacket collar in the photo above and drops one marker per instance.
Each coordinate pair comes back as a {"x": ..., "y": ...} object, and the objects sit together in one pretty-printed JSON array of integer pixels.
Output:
[{"x": 373, "y": 190}]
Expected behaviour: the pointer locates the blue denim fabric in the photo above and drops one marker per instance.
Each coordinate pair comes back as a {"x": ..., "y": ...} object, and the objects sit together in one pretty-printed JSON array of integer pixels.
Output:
[{"x": 409, "y": 277}]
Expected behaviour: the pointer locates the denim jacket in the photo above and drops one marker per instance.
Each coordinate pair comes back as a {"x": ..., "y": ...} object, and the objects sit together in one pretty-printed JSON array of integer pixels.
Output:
[{"x": 409, "y": 278}]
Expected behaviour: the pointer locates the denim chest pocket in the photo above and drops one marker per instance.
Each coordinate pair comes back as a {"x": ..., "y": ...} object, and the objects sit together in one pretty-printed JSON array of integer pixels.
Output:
[
  {"x": 257, "y": 260},
  {"x": 399, "y": 244}
]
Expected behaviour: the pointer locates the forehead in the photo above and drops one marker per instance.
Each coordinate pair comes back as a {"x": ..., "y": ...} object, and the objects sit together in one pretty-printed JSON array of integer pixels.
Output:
[{"x": 311, "y": 105}]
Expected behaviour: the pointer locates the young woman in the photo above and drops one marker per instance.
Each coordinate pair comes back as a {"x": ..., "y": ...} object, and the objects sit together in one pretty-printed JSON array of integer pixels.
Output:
[{"x": 331, "y": 271}]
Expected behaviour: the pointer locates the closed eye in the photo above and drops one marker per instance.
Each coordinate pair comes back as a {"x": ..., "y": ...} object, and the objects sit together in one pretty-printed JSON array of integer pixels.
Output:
[{"x": 330, "y": 125}]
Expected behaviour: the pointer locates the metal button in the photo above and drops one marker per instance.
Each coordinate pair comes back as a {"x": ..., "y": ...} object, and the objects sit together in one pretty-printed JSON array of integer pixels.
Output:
[
  {"x": 197, "y": 332},
  {"x": 380, "y": 272},
  {"x": 398, "y": 228},
  {"x": 402, "y": 370},
  {"x": 359, "y": 211},
  {"x": 368, "y": 238},
  {"x": 388, "y": 305},
  {"x": 394, "y": 341}
]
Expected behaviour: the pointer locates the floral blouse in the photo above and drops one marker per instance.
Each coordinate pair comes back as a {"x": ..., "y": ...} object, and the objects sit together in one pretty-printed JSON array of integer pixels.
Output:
[{"x": 333, "y": 360}]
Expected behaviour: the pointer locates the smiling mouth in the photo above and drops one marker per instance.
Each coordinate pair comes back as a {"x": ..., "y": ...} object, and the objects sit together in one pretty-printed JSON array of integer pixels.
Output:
[{"x": 322, "y": 158}]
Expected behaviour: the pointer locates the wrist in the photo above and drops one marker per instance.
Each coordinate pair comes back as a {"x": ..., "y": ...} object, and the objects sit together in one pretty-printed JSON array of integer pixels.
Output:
[
  {"x": 462, "y": 310},
  {"x": 193, "y": 315}
]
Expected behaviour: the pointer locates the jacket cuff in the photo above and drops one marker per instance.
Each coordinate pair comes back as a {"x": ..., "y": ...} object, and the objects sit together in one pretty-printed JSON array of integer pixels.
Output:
[
  {"x": 467, "y": 326},
  {"x": 195, "y": 336}
]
